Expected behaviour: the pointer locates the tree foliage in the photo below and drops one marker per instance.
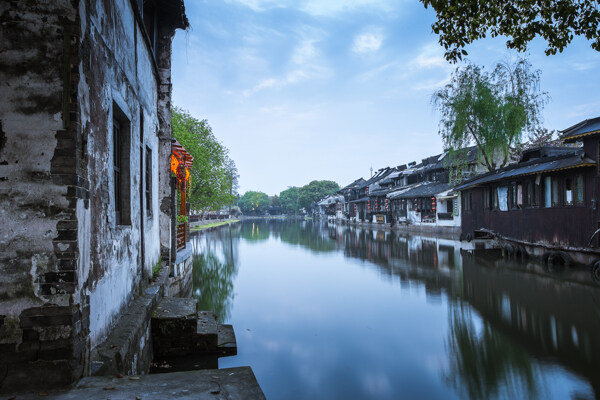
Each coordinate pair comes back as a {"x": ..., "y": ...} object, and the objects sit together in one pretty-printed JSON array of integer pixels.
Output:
[
  {"x": 254, "y": 203},
  {"x": 460, "y": 23},
  {"x": 315, "y": 191},
  {"x": 275, "y": 205},
  {"x": 493, "y": 111},
  {"x": 289, "y": 200},
  {"x": 213, "y": 174}
]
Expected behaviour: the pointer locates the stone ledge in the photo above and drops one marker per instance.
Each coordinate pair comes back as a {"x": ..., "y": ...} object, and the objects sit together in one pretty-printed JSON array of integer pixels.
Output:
[
  {"x": 230, "y": 383},
  {"x": 127, "y": 349}
]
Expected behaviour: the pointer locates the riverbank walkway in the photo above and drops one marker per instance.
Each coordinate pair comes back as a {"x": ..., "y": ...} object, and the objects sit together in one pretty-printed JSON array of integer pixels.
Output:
[{"x": 222, "y": 384}]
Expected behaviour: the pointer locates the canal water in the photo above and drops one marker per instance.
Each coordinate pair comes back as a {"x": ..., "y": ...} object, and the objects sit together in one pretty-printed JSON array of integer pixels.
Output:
[{"x": 331, "y": 312}]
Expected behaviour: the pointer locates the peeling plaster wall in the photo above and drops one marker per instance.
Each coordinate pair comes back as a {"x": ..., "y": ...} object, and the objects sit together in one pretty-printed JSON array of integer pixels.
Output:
[{"x": 118, "y": 70}]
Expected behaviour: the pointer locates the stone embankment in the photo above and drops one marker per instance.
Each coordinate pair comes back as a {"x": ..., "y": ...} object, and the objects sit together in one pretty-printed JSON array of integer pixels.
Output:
[
  {"x": 230, "y": 383},
  {"x": 155, "y": 324}
]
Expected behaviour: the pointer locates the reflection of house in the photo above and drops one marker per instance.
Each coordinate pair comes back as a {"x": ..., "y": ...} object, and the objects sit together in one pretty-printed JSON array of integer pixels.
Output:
[
  {"x": 548, "y": 197},
  {"x": 85, "y": 139}
]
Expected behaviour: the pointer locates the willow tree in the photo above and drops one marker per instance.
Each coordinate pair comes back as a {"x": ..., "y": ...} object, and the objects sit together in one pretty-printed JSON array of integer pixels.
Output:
[
  {"x": 213, "y": 173},
  {"x": 493, "y": 111}
]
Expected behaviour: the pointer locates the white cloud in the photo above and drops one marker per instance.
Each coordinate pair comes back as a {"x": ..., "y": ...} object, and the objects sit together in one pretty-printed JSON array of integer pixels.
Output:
[
  {"x": 332, "y": 7},
  {"x": 376, "y": 72},
  {"x": 259, "y": 5},
  {"x": 367, "y": 42},
  {"x": 431, "y": 56},
  {"x": 306, "y": 63},
  {"x": 320, "y": 7},
  {"x": 431, "y": 84},
  {"x": 305, "y": 52}
]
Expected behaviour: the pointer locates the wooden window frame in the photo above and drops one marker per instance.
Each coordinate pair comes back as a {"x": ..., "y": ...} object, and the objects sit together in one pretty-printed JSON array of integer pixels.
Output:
[
  {"x": 575, "y": 202},
  {"x": 117, "y": 170},
  {"x": 148, "y": 181},
  {"x": 121, "y": 166}
]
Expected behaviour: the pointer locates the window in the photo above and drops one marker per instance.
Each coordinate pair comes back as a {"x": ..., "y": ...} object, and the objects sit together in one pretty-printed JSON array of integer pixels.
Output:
[
  {"x": 531, "y": 194},
  {"x": 121, "y": 150},
  {"x": 117, "y": 169},
  {"x": 574, "y": 190},
  {"x": 149, "y": 15},
  {"x": 495, "y": 198},
  {"x": 519, "y": 195},
  {"x": 555, "y": 193},
  {"x": 547, "y": 192},
  {"x": 487, "y": 203},
  {"x": 535, "y": 196},
  {"x": 148, "y": 179},
  {"x": 467, "y": 205},
  {"x": 503, "y": 198},
  {"x": 449, "y": 206}
]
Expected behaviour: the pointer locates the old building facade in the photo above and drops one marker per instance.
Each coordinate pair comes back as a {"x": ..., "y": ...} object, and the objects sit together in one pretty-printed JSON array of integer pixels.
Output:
[{"x": 84, "y": 174}]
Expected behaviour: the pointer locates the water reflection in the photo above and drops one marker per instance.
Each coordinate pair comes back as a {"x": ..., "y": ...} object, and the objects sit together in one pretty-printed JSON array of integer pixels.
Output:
[
  {"x": 485, "y": 363},
  {"x": 487, "y": 329},
  {"x": 214, "y": 269}
]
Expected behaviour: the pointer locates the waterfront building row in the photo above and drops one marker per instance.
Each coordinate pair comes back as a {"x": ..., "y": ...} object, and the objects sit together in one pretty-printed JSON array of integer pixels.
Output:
[{"x": 547, "y": 198}]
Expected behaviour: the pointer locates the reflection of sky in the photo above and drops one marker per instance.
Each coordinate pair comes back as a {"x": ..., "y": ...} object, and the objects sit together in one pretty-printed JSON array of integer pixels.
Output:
[{"x": 323, "y": 326}]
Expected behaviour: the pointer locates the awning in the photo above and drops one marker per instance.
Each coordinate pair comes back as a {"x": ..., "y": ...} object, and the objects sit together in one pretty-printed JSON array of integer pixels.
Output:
[
  {"x": 361, "y": 200},
  {"x": 537, "y": 166},
  {"x": 427, "y": 189}
]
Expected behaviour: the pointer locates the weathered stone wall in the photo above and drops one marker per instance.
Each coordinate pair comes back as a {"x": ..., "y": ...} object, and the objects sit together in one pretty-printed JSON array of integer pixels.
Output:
[
  {"x": 42, "y": 330},
  {"x": 66, "y": 266}
]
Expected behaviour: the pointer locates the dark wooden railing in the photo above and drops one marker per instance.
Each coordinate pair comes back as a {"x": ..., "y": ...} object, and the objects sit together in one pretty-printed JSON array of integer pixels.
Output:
[{"x": 182, "y": 234}]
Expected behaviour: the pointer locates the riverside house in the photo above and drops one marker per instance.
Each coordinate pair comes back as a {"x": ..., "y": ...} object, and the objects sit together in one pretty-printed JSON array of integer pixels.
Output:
[
  {"x": 349, "y": 193},
  {"x": 85, "y": 145},
  {"x": 546, "y": 202},
  {"x": 361, "y": 206},
  {"x": 423, "y": 200}
]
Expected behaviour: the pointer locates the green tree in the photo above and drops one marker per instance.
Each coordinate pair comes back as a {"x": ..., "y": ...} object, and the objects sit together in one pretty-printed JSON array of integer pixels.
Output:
[
  {"x": 232, "y": 176},
  {"x": 492, "y": 111},
  {"x": 254, "y": 203},
  {"x": 315, "y": 191},
  {"x": 289, "y": 200},
  {"x": 460, "y": 23},
  {"x": 274, "y": 205},
  {"x": 213, "y": 174}
]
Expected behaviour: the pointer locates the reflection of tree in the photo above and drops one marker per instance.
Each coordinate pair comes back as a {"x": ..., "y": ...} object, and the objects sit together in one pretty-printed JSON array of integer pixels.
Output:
[
  {"x": 308, "y": 234},
  {"x": 255, "y": 230},
  {"x": 486, "y": 364},
  {"x": 213, "y": 278}
]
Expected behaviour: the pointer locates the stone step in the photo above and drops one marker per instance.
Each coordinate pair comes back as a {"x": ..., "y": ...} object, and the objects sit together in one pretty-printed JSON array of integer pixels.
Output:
[
  {"x": 177, "y": 329},
  {"x": 174, "y": 323},
  {"x": 227, "y": 344},
  {"x": 207, "y": 332}
]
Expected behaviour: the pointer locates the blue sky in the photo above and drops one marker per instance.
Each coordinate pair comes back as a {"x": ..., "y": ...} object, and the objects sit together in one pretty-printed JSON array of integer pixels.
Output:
[{"x": 300, "y": 90}]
